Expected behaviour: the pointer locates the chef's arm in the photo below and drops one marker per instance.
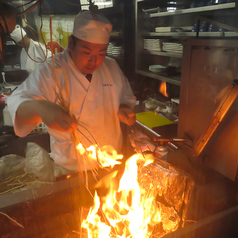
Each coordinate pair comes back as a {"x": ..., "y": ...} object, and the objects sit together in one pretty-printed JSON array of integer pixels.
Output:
[
  {"x": 30, "y": 112},
  {"x": 126, "y": 114}
]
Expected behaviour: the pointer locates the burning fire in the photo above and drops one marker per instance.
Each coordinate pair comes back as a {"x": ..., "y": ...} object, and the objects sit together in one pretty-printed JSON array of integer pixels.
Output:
[
  {"x": 124, "y": 211},
  {"x": 163, "y": 89}
]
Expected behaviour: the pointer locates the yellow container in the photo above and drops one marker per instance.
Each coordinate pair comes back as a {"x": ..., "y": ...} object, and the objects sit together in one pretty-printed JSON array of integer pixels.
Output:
[{"x": 46, "y": 30}]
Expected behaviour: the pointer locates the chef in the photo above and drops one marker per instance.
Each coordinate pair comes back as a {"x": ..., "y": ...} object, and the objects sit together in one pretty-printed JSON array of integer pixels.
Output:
[
  {"x": 33, "y": 53},
  {"x": 99, "y": 96}
]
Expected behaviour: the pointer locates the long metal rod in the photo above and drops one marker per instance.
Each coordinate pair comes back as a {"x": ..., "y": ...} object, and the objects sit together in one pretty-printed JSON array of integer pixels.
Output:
[{"x": 218, "y": 116}]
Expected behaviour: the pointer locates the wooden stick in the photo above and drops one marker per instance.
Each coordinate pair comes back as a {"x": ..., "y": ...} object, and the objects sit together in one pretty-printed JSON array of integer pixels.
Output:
[{"x": 12, "y": 219}]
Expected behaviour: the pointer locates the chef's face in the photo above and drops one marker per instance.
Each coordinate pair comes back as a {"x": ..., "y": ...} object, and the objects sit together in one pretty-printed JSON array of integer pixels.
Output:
[{"x": 86, "y": 56}]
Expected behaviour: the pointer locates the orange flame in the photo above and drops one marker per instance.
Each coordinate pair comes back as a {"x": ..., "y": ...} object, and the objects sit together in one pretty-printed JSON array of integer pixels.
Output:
[
  {"x": 106, "y": 156},
  {"x": 163, "y": 89},
  {"x": 126, "y": 213}
]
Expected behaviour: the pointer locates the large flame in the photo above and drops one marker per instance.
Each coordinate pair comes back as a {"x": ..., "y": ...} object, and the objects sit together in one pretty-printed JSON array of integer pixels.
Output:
[
  {"x": 123, "y": 212},
  {"x": 163, "y": 89}
]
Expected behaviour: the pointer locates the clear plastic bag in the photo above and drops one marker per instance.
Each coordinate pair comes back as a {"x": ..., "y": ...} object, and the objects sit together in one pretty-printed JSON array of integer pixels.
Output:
[{"x": 39, "y": 163}]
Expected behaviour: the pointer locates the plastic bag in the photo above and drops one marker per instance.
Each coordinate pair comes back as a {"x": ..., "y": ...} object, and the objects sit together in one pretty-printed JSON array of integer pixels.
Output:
[
  {"x": 39, "y": 163},
  {"x": 10, "y": 165}
]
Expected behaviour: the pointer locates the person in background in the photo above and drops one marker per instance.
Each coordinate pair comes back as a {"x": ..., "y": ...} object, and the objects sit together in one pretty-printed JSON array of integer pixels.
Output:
[
  {"x": 99, "y": 98},
  {"x": 33, "y": 53}
]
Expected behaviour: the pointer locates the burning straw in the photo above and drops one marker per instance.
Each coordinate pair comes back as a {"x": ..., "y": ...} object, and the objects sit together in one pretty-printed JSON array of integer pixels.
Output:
[
  {"x": 150, "y": 200},
  {"x": 4, "y": 214}
]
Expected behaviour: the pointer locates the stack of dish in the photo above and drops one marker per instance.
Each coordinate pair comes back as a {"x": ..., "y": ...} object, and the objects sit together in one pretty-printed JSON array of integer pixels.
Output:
[
  {"x": 116, "y": 50},
  {"x": 152, "y": 44},
  {"x": 109, "y": 48},
  {"x": 173, "y": 47},
  {"x": 157, "y": 68},
  {"x": 113, "y": 50}
]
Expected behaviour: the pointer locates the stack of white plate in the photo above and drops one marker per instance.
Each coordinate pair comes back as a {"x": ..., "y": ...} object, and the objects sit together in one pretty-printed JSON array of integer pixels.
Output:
[
  {"x": 173, "y": 47},
  {"x": 157, "y": 68},
  {"x": 109, "y": 48},
  {"x": 152, "y": 44},
  {"x": 116, "y": 50},
  {"x": 113, "y": 50}
]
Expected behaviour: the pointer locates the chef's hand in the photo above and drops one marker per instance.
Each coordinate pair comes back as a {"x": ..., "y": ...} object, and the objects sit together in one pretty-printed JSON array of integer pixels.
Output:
[
  {"x": 56, "y": 118},
  {"x": 30, "y": 112},
  {"x": 126, "y": 115}
]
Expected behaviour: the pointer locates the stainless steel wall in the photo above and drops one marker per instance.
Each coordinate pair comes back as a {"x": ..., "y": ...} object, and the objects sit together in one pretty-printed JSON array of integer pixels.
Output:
[{"x": 208, "y": 67}]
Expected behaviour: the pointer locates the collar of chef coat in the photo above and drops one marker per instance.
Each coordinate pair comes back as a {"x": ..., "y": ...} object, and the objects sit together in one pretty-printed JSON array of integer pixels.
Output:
[{"x": 101, "y": 73}]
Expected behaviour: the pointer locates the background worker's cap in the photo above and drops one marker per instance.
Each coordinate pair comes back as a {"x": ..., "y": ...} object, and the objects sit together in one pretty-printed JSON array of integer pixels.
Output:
[
  {"x": 17, "y": 34},
  {"x": 92, "y": 27}
]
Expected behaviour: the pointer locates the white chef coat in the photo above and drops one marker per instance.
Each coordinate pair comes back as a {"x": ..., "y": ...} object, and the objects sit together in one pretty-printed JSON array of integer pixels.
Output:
[
  {"x": 36, "y": 52},
  {"x": 94, "y": 104}
]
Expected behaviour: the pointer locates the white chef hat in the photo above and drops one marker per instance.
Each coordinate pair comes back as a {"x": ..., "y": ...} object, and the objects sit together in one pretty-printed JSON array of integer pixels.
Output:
[
  {"x": 17, "y": 34},
  {"x": 92, "y": 27}
]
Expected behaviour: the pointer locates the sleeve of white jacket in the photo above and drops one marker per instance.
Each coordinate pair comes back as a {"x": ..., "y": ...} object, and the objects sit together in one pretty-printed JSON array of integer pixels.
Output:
[
  {"x": 37, "y": 86},
  {"x": 42, "y": 52}
]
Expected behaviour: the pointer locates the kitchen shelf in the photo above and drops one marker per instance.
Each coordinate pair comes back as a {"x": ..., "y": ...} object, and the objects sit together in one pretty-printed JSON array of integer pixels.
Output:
[
  {"x": 174, "y": 80},
  {"x": 162, "y": 53},
  {"x": 121, "y": 36},
  {"x": 179, "y": 24},
  {"x": 119, "y": 58},
  {"x": 195, "y": 10},
  {"x": 191, "y": 34},
  {"x": 116, "y": 37}
]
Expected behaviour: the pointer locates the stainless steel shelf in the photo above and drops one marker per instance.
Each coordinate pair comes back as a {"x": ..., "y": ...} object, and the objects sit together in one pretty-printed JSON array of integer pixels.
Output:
[
  {"x": 172, "y": 80},
  {"x": 196, "y": 9},
  {"x": 120, "y": 36},
  {"x": 116, "y": 57},
  {"x": 192, "y": 34},
  {"x": 230, "y": 34},
  {"x": 162, "y": 53}
]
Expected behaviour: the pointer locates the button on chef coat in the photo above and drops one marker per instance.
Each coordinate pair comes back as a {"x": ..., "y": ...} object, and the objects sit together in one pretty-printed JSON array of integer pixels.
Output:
[{"x": 94, "y": 104}]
